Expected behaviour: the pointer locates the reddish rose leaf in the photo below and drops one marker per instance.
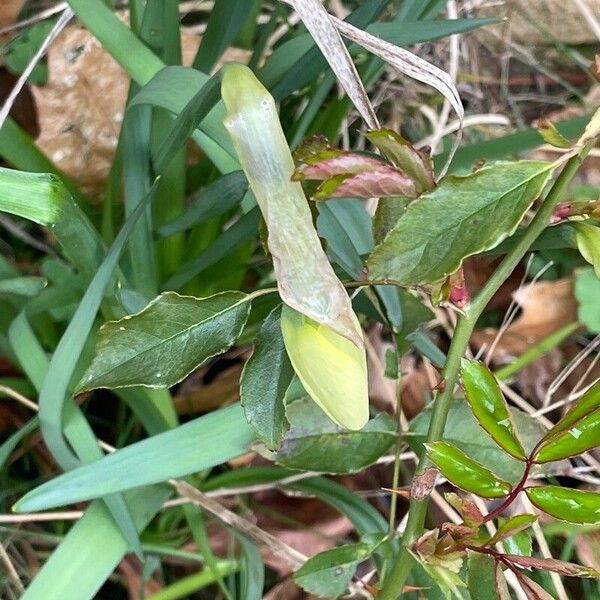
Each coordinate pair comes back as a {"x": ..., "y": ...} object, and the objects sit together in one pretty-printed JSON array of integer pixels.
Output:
[
  {"x": 552, "y": 564},
  {"x": 383, "y": 180}
]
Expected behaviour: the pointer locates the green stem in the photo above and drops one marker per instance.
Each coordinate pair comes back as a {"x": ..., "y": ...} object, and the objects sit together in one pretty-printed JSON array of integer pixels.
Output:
[{"x": 394, "y": 582}]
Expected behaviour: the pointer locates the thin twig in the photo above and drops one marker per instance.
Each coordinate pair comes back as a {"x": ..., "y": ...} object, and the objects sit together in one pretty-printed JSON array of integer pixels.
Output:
[
  {"x": 58, "y": 27},
  {"x": 11, "y": 571}
]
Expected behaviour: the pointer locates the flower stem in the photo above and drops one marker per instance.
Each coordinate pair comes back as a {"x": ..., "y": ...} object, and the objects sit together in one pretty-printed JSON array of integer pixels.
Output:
[{"x": 396, "y": 578}]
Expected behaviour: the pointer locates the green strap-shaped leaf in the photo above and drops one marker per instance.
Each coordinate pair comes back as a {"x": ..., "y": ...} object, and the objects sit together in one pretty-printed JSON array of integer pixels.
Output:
[
  {"x": 489, "y": 406},
  {"x": 200, "y": 444},
  {"x": 466, "y": 473},
  {"x": 329, "y": 573},
  {"x": 570, "y": 505},
  {"x": 265, "y": 379},
  {"x": 92, "y": 549},
  {"x": 212, "y": 201},
  {"x": 163, "y": 343},
  {"x": 462, "y": 217}
]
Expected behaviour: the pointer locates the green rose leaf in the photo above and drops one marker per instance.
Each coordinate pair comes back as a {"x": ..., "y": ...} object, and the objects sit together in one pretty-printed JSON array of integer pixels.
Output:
[
  {"x": 482, "y": 578},
  {"x": 463, "y": 431},
  {"x": 466, "y": 473},
  {"x": 462, "y": 217},
  {"x": 587, "y": 292},
  {"x": 570, "y": 505},
  {"x": 551, "y": 135},
  {"x": 588, "y": 243},
  {"x": 519, "y": 543},
  {"x": 329, "y": 573},
  {"x": 265, "y": 379},
  {"x": 489, "y": 406},
  {"x": 316, "y": 443},
  {"x": 512, "y": 526},
  {"x": 166, "y": 341},
  {"x": 577, "y": 432},
  {"x": 413, "y": 162}
]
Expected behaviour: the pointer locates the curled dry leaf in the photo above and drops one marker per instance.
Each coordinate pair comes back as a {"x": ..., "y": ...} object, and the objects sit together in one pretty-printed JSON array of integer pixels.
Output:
[{"x": 350, "y": 174}]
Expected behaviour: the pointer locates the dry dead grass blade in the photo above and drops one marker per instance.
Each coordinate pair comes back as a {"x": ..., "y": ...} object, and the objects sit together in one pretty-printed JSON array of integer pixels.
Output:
[
  {"x": 325, "y": 27},
  {"x": 62, "y": 22},
  {"x": 324, "y": 31},
  {"x": 11, "y": 572},
  {"x": 409, "y": 64}
]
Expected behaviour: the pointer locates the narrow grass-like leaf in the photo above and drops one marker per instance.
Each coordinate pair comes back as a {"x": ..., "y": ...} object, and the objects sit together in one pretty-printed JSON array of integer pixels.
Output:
[
  {"x": 462, "y": 217},
  {"x": 54, "y": 208},
  {"x": 77, "y": 430},
  {"x": 489, "y": 406},
  {"x": 305, "y": 277},
  {"x": 252, "y": 568},
  {"x": 23, "y": 286},
  {"x": 265, "y": 379},
  {"x": 214, "y": 200},
  {"x": 200, "y": 444},
  {"x": 575, "y": 506},
  {"x": 65, "y": 358},
  {"x": 224, "y": 23},
  {"x": 242, "y": 231},
  {"x": 466, "y": 473},
  {"x": 163, "y": 343},
  {"x": 91, "y": 550},
  {"x": 191, "y": 584},
  {"x": 143, "y": 65}
]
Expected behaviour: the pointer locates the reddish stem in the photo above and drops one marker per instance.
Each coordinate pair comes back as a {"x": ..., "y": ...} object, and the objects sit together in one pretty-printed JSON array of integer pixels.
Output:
[{"x": 529, "y": 462}]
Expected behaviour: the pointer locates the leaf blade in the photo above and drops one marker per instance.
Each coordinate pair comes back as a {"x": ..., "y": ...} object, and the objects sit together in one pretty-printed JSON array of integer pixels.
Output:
[
  {"x": 480, "y": 209},
  {"x": 163, "y": 343},
  {"x": 489, "y": 406}
]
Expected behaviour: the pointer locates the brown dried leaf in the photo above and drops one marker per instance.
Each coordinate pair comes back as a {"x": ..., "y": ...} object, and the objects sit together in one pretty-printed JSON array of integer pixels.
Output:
[
  {"x": 9, "y": 11},
  {"x": 81, "y": 140},
  {"x": 83, "y": 76},
  {"x": 194, "y": 396},
  {"x": 423, "y": 484},
  {"x": 547, "y": 307}
]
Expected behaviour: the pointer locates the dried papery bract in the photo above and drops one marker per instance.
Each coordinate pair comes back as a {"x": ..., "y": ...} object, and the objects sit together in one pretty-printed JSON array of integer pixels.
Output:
[{"x": 306, "y": 280}]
